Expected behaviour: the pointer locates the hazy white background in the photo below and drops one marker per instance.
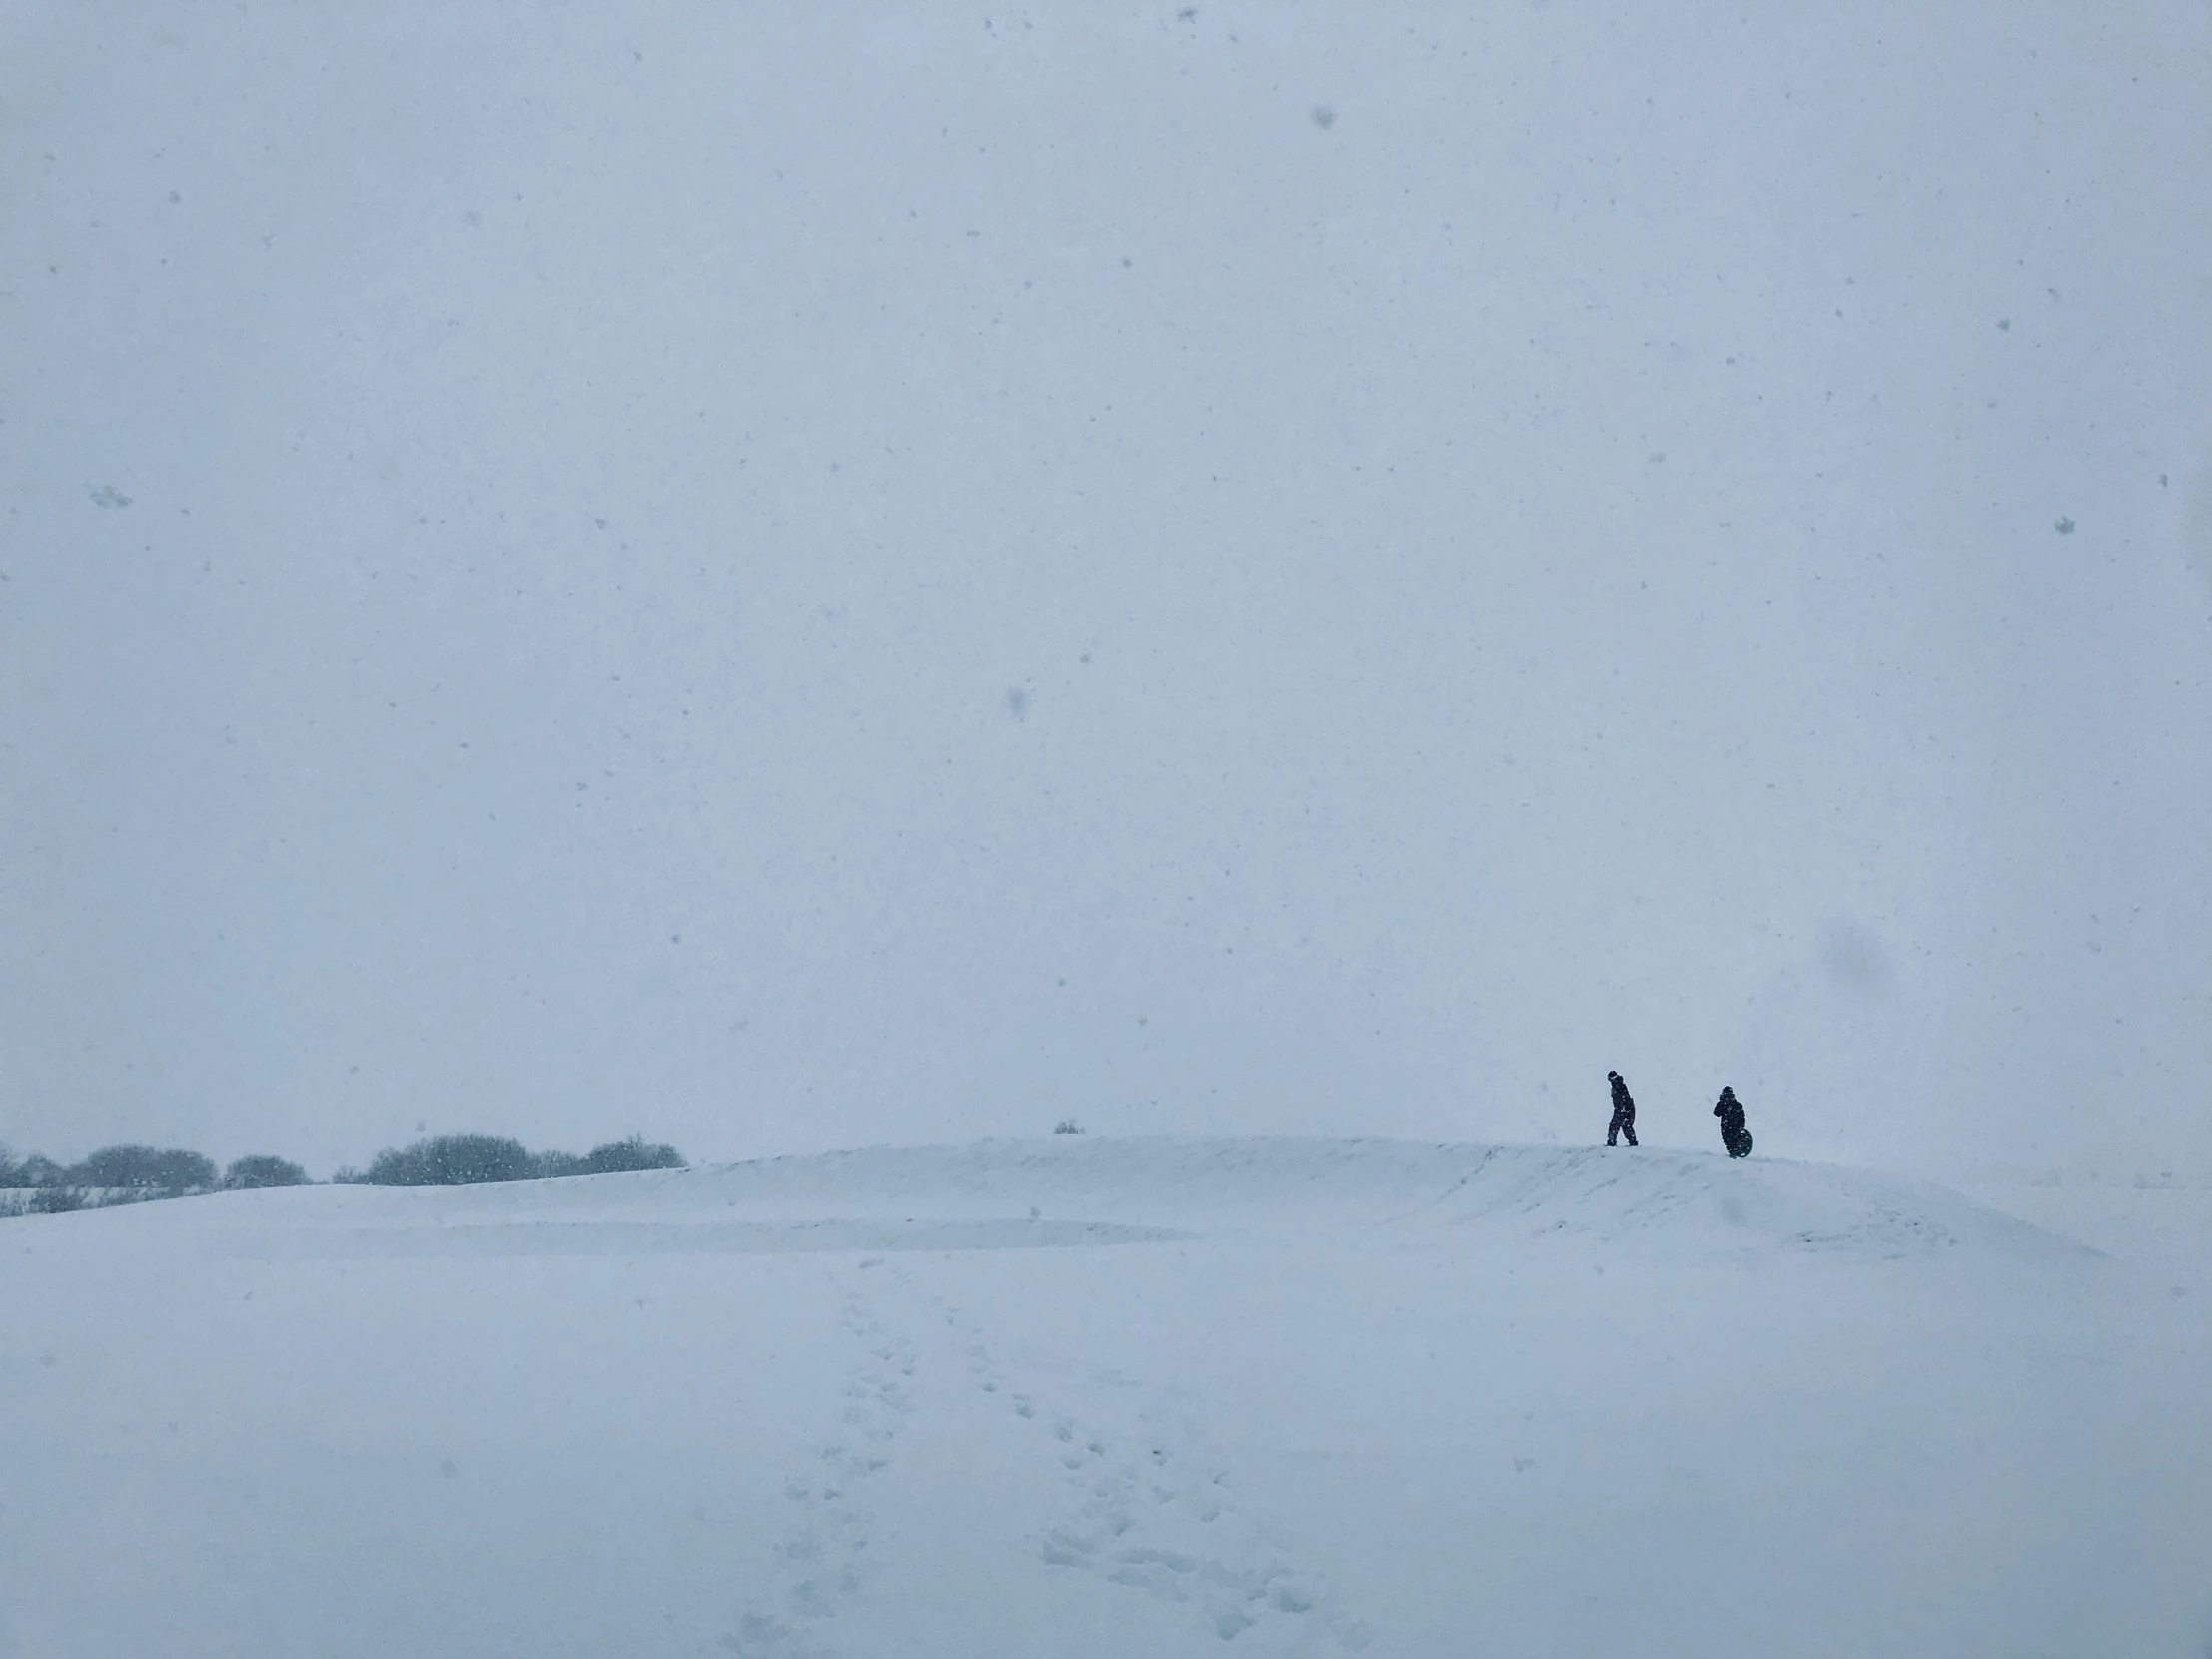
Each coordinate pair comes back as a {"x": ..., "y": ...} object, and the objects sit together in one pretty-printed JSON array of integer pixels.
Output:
[{"x": 784, "y": 576}]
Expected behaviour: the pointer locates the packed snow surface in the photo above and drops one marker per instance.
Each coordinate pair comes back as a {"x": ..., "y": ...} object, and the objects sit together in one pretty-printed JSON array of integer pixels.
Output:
[{"x": 1102, "y": 1399}]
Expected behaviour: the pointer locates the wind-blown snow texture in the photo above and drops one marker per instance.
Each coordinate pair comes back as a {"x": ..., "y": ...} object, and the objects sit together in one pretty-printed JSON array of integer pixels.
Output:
[
  {"x": 1091, "y": 1399},
  {"x": 790, "y": 576}
]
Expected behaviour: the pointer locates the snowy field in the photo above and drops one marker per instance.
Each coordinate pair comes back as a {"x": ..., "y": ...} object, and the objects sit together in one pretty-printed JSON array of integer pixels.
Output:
[
  {"x": 1101, "y": 1400},
  {"x": 791, "y": 577}
]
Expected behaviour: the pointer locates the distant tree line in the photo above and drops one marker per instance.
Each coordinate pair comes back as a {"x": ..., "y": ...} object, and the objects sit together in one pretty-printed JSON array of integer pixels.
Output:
[
  {"x": 124, "y": 1174},
  {"x": 129, "y": 1174},
  {"x": 464, "y": 1160}
]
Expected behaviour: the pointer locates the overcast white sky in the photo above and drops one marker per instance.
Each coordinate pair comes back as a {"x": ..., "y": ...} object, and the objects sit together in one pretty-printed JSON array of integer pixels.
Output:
[{"x": 781, "y": 578}]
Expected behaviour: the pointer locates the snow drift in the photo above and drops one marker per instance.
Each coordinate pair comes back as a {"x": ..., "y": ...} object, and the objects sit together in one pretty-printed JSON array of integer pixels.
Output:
[{"x": 1011, "y": 1194}]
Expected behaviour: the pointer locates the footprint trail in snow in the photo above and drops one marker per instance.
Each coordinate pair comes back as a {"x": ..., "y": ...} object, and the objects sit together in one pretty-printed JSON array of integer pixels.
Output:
[
  {"x": 1151, "y": 1510},
  {"x": 823, "y": 1563}
]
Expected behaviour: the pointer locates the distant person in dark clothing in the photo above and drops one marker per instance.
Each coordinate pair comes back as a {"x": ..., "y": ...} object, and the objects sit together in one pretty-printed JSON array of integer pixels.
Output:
[
  {"x": 1624, "y": 1112},
  {"x": 1734, "y": 1135}
]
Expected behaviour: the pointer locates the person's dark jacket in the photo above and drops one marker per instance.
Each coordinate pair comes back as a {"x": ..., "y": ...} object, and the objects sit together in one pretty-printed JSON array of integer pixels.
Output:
[
  {"x": 1734, "y": 1135},
  {"x": 1624, "y": 1112}
]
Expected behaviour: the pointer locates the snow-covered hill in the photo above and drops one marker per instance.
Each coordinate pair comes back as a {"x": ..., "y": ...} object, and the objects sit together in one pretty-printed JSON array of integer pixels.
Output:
[
  {"x": 1029, "y": 1194},
  {"x": 1102, "y": 1399}
]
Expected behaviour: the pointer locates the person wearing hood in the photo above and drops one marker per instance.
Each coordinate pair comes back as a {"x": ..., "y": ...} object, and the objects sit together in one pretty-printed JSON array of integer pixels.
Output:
[{"x": 1734, "y": 1135}]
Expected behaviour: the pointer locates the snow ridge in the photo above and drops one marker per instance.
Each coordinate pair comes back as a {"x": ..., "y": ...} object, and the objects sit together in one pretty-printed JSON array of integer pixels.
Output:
[{"x": 1065, "y": 1191}]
